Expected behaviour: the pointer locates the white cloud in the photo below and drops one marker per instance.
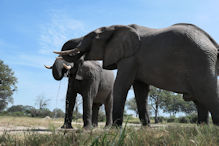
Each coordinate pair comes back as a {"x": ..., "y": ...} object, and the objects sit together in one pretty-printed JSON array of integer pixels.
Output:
[
  {"x": 29, "y": 60},
  {"x": 60, "y": 28}
]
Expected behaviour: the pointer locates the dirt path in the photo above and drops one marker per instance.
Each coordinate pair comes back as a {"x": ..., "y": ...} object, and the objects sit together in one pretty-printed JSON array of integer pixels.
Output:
[{"x": 45, "y": 130}]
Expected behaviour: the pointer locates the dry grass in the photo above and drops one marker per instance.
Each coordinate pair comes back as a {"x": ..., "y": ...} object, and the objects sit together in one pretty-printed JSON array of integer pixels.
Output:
[
  {"x": 168, "y": 134},
  {"x": 7, "y": 121}
]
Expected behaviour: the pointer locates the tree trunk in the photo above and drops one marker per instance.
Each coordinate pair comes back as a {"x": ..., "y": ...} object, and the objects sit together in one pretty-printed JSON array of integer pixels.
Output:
[{"x": 156, "y": 112}]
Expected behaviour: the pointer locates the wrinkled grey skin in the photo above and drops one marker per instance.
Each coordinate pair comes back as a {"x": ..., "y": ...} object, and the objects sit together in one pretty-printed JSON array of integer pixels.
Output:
[
  {"x": 93, "y": 83},
  {"x": 181, "y": 58},
  {"x": 203, "y": 113}
]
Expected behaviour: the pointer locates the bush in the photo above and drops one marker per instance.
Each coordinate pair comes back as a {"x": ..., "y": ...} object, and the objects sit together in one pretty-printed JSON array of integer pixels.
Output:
[
  {"x": 20, "y": 110},
  {"x": 76, "y": 115},
  {"x": 44, "y": 112},
  {"x": 171, "y": 119},
  {"x": 58, "y": 113},
  {"x": 161, "y": 119},
  {"x": 193, "y": 118},
  {"x": 40, "y": 113},
  {"x": 16, "y": 108},
  {"x": 3, "y": 113},
  {"x": 101, "y": 116},
  {"x": 184, "y": 119}
]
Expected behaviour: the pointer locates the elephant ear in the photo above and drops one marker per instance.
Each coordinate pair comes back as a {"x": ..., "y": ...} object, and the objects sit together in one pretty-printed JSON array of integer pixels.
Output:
[
  {"x": 97, "y": 40},
  {"x": 122, "y": 42}
]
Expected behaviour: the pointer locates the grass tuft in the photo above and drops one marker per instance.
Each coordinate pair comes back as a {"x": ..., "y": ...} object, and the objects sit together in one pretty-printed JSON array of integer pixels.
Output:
[{"x": 169, "y": 134}]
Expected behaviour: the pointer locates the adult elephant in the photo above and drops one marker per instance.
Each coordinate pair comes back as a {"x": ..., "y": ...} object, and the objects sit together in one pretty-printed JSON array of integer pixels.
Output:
[
  {"x": 180, "y": 58},
  {"x": 92, "y": 82}
]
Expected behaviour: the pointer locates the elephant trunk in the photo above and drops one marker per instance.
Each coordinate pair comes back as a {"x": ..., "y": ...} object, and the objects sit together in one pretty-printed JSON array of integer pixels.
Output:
[{"x": 58, "y": 70}]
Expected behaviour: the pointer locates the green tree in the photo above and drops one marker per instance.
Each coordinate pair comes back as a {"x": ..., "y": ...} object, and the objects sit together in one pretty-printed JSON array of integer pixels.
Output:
[
  {"x": 7, "y": 85},
  {"x": 101, "y": 114},
  {"x": 131, "y": 105},
  {"x": 188, "y": 107},
  {"x": 78, "y": 102},
  {"x": 16, "y": 108},
  {"x": 25, "y": 109},
  {"x": 156, "y": 96},
  {"x": 171, "y": 103}
]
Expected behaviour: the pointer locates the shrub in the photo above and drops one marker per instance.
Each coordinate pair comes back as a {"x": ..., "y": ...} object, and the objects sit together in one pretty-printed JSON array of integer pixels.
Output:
[
  {"x": 193, "y": 118},
  {"x": 184, "y": 119},
  {"x": 44, "y": 112},
  {"x": 171, "y": 119},
  {"x": 76, "y": 115},
  {"x": 58, "y": 113},
  {"x": 161, "y": 119},
  {"x": 101, "y": 116}
]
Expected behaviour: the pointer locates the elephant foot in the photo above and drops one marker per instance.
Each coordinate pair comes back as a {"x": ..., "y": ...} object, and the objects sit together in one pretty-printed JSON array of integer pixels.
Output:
[
  {"x": 117, "y": 123},
  {"x": 215, "y": 120},
  {"x": 201, "y": 123},
  {"x": 95, "y": 125},
  {"x": 88, "y": 127},
  {"x": 145, "y": 122},
  {"x": 108, "y": 126},
  {"x": 146, "y": 125},
  {"x": 67, "y": 126}
]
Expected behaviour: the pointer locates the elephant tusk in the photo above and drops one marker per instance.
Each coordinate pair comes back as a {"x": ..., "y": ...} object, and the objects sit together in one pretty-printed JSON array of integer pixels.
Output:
[
  {"x": 68, "y": 67},
  {"x": 72, "y": 52},
  {"x": 48, "y": 67},
  {"x": 59, "y": 58}
]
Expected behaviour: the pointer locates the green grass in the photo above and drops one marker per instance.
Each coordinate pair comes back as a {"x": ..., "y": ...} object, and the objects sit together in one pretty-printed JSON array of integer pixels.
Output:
[{"x": 170, "y": 135}]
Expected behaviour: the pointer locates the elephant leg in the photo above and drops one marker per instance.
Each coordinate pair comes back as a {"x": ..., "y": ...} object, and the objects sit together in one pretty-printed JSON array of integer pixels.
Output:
[
  {"x": 203, "y": 115},
  {"x": 88, "y": 95},
  {"x": 87, "y": 111},
  {"x": 95, "y": 111},
  {"x": 124, "y": 79},
  {"x": 141, "y": 96},
  {"x": 69, "y": 105},
  {"x": 109, "y": 108},
  {"x": 207, "y": 95}
]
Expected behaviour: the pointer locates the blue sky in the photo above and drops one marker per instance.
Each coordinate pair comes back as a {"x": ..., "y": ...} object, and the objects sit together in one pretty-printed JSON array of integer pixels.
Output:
[{"x": 30, "y": 30}]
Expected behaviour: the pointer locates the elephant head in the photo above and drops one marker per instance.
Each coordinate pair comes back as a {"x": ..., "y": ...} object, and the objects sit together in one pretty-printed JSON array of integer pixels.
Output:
[
  {"x": 109, "y": 44},
  {"x": 60, "y": 66}
]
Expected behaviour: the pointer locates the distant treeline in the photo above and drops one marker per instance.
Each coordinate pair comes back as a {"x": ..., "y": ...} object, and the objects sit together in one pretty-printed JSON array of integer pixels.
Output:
[{"x": 29, "y": 111}]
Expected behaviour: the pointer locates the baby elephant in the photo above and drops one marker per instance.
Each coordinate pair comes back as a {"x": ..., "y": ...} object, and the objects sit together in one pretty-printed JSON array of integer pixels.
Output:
[{"x": 92, "y": 82}]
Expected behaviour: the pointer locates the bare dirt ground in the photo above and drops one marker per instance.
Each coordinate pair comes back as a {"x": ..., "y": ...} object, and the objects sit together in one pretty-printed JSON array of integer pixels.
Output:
[
  {"x": 16, "y": 125},
  {"x": 13, "y": 129}
]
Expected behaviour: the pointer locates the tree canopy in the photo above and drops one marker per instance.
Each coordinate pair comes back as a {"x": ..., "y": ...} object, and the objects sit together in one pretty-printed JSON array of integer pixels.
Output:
[
  {"x": 131, "y": 105},
  {"x": 166, "y": 101},
  {"x": 7, "y": 85},
  {"x": 169, "y": 102}
]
